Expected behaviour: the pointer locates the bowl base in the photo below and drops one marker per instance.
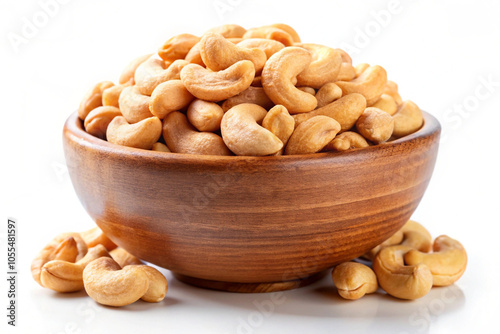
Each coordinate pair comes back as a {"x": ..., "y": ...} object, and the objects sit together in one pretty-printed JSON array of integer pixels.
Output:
[{"x": 250, "y": 287}]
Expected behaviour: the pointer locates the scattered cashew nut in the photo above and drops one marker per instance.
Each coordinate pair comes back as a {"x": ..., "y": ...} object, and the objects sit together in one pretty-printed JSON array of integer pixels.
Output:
[{"x": 353, "y": 280}]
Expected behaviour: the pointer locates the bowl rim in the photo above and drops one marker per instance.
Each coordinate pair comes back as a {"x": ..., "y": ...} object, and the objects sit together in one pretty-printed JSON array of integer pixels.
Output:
[{"x": 74, "y": 131}]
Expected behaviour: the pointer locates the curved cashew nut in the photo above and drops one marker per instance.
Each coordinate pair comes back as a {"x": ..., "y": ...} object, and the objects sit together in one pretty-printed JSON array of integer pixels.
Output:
[
  {"x": 97, "y": 121},
  {"x": 416, "y": 236},
  {"x": 182, "y": 137},
  {"x": 160, "y": 147},
  {"x": 391, "y": 88},
  {"x": 289, "y": 30},
  {"x": 353, "y": 280},
  {"x": 205, "y": 116},
  {"x": 280, "y": 123},
  {"x": 324, "y": 68},
  {"x": 111, "y": 95},
  {"x": 64, "y": 276},
  {"x": 346, "y": 141},
  {"x": 375, "y": 125},
  {"x": 218, "y": 53},
  {"x": 93, "y": 99},
  {"x": 154, "y": 71},
  {"x": 177, "y": 47},
  {"x": 254, "y": 95},
  {"x": 327, "y": 94},
  {"x": 142, "y": 134},
  {"x": 169, "y": 96},
  {"x": 229, "y": 30},
  {"x": 387, "y": 104},
  {"x": 345, "y": 110},
  {"x": 370, "y": 84},
  {"x": 277, "y": 77},
  {"x": 447, "y": 263},
  {"x": 407, "y": 119},
  {"x": 158, "y": 285},
  {"x": 124, "y": 258},
  {"x": 312, "y": 135},
  {"x": 217, "y": 86},
  {"x": 95, "y": 236},
  {"x": 134, "y": 106},
  {"x": 269, "y": 32},
  {"x": 128, "y": 72},
  {"x": 243, "y": 134},
  {"x": 400, "y": 280},
  {"x": 194, "y": 55},
  {"x": 269, "y": 46}
]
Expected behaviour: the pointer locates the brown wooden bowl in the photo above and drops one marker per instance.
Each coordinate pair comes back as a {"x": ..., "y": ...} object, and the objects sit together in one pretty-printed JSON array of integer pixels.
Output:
[{"x": 250, "y": 224}]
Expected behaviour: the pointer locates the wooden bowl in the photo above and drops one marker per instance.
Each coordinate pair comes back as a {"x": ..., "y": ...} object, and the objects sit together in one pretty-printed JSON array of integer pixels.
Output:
[{"x": 250, "y": 224}]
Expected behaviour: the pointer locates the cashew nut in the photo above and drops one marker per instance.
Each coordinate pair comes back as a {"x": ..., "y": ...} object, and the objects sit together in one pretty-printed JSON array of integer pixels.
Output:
[
  {"x": 111, "y": 95},
  {"x": 327, "y": 94},
  {"x": 218, "y": 53},
  {"x": 280, "y": 123},
  {"x": 324, "y": 67},
  {"x": 269, "y": 46},
  {"x": 447, "y": 262},
  {"x": 142, "y": 134},
  {"x": 387, "y": 104},
  {"x": 254, "y": 95},
  {"x": 243, "y": 134},
  {"x": 229, "y": 30},
  {"x": 177, "y": 47},
  {"x": 160, "y": 147},
  {"x": 194, "y": 55},
  {"x": 277, "y": 77},
  {"x": 347, "y": 72},
  {"x": 312, "y": 135},
  {"x": 353, "y": 280},
  {"x": 346, "y": 141},
  {"x": 289, "y": 30},
  {"x": 169, "y": 96},
  {"x": 124, "y": 258},
  {"x": 205, "y": 116},
  {"x": 97, "y": 120},
  {"x": 93, "y": 99},
  {"x": 416, "y": 236},
  {"x": 391, "y": 88},
  {"x": 134, "y": 106},
  {"x": 95, "y": 236},
  {"x": 370, "y": 84},
  {"x": 128, "y": 73},
  {"x": 360, "y": 68},
  {"x": 182, "y": 137},
  {"x": 393, "y": 240},
  {"x": 154, "y": 71},
  {"x": 269, "y": 32},
  {"x": 407, "y": 119},
  {"x": 400, "y": 280},
  {"x": 308, "y": 90},
  {"x": 375, "y": 125},
  {"x": 158, "y": 285}
]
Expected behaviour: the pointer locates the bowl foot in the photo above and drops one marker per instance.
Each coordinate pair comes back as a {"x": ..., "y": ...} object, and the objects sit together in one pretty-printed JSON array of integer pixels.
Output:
[{"x": 250, "y": 287}]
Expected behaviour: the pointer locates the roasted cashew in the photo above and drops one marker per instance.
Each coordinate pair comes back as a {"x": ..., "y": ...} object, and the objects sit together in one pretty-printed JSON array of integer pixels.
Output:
[
  {"x": 254, "y": 95},
  {"x": 95, "y": 236},
  {"x": 327, "y": 94},
  {"x": 243, "y": 134},
  {"x": 400, "y": 280},
  {"x": 347, "y": 72},
  {"x": 93, "y": 99},
  {"x": 128, "y": 73},
  {"x": 324, "y": 67},
  {"x": 229, "y": 30},
  {"x": 370, "y": 84},
  {"x": 124, "y": 258},
  {"x": 194, "y": 55},
  {"x": 312, "y": 135},
  {"x": 280, "y": 123},
  {"x": 66, "y": 246},
  {"x": 64, "y": 276},
  {"x": 277, "y": 77},
  {"x": 289, "y": 30},
  {"x": 269, "y": 32},
  {"x": 407, "y": 119},
  {"x": 182, "y": 137},
  {"x": 353, "y": 280},
  {"x": 111, "y": 95},
  {"x": 158, "y": 285},
  {"x": 154, "y": 71},
  {"x": 160, "y": 147},
  {"x": 134, "y": 106},
  {"x": 169, "y": 96},
  {"x": 269, "y": 46},
  {"x": 142, "y": 134},
  {"x": 360, "y": 68},
  {"x": 387, "y": 104},
  {"x": 375, "y": 125},
  {"x": 204, "y": 115},
  {"x": 447, "y": 262},
  {"x": 345, "y": 110},
  {"x": 218, "y": 53},
  {"x": 177, "y": 47},
  {"x": 391, "y": 88},
  {"x": 346, "y": 141},
  {"x": 416, "y": 236},
  {"x": 217, "y": 86},
  {"x": 97, "y": 120}
]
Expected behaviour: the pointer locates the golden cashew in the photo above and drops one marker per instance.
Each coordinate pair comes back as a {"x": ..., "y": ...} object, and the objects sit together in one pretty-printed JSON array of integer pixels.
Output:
[
  {"x": 64, "y": 276},
  {"x": 277, "y": 77},
  {"x": 66, "y": 246},
  {"x": 218, "y": 53},
  {"x": 353, "y": 280},
  {"x": 134, "y": 106},
  {"x": 160, "y": 147},
  {"x": 128, "y": 73},
  {"x": 370, "y": 84},
  {"x": 93, "y": 99},
  {"x": 391, "y": 88},
  {"x": 280, "y": 123},
  {"x": 111, "y": 95},
  {"x": 387, "y": 104},
  {"x": 97, "y": 121},
  {"x": 289, "y": 30},
  {"x": 308, "y": 90},
  {"x": 393, "y": 240},
  {"x": 154, "y": 71},
  {"x": 124, "y": 258},
  {"x": 269, "y": 46},
  {"x": 95, "y": 236},
  {"x": 158, "y": 285},
  {"x": 142, "y": 134},
  {"x": 327, "y": 94},
  {"x": 375, "y": 125},
  {"x": 182, "y": 137},
  {"x": 324, "y": 67},
  {"x": 229, "y": 30},
  {"x": 169, "y": 96},
  {"x": 194, "y": 55},
  {"x": 312, "y": 135},
  {"x": 416, "y": 236},
  {"x": 217, "y": 86},
  {"x": 345, "y": 110},
  {"x": 254, "y": 95},
  {"x": 407, "y": 119},
  {"x": 346, "y": 141},
  {"x": 400, "y": 280},
  {"x": 360, "y": 68},
  {"x": 243, "y": 134},
  {"x": 205, "y": 116},
  {"x": 447, "y": 262},
  {"x": 269, "y": 32},
  {"x": 177, "y": 47},
  {"x": 347, "y": 72}
]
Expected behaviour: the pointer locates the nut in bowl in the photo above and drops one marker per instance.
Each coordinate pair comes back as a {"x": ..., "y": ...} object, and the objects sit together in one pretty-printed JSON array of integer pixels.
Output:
[{"x": 255, "y": 204}]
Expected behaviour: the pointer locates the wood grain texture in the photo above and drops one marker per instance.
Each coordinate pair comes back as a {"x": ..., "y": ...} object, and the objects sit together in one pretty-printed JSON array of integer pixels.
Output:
[{"x": 250, "y": 219}]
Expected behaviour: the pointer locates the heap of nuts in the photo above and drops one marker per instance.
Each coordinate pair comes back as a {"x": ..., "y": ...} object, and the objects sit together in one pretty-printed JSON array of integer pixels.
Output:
[
  {"x": 89, "y": 260},
  {"x": 253, "y": 92},
  {"x": 403, "y": 265}
]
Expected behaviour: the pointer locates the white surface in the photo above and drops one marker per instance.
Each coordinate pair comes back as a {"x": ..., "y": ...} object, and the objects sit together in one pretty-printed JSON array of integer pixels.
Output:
[{"x": 438, "y": 53}]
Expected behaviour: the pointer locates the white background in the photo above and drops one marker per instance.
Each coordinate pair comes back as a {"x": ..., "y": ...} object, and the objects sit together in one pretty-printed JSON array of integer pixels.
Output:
[{"x": 440, "y": 53}]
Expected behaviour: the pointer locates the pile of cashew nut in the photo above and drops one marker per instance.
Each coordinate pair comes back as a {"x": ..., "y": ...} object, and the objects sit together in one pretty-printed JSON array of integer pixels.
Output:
[
  {"x": 406, "y": 266},
  {"x": 89, "y": 260},
  {"x": 253, "y": 92}
]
